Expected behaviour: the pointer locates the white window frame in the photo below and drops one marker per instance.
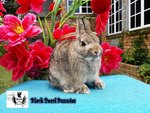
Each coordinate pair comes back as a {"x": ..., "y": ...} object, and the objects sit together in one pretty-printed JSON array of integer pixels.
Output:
[
  {"x": 142, "y": 16},
  {"x": 115, "y": 12},
  {"x": 80, "y": 8}
]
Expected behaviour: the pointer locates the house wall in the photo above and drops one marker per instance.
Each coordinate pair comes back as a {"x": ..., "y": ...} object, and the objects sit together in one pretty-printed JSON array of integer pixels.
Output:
[{"x": 128, "y": 36}]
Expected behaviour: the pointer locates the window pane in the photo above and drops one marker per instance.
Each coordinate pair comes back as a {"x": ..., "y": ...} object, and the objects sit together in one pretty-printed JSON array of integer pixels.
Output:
[
  {"x": 138, "y": 20},
  {"x": 120, "y": 4},
  {"x": 132, "y": 0},
  {"x": 133, "y": 22},
  {"x": 138, "y": 6},
  {"x": 147, "y": 4},
  {"x": 84, "y": 4},
  {"x": 120, "y": 15},
  {"x": 120, "y": 25},
  {"x": 110, "y": 29},
  {"x": 132, "y": 9},
  {"x": 70, "y": 2},
  {"x": 117, "y": 25},
  {"x": 89, "y": 3},
  {"x": 113, "y": 28},
  {"x": 112, "y": 1},
  {"x": 84, "y": 10},
  {"x": 89, "y": 10},
  {"x": 77, "y": 11},
  {"x": 112, "y": 18},
  {"x": 117, "y": 5},
  {"x": 117, "y": 16},
  {"x": 112, "y": 8},
  {"x": 147, "y": 17}
]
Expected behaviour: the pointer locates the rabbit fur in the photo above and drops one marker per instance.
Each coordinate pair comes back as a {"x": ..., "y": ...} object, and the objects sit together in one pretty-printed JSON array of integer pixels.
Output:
[{"x": 75, "y": 63}]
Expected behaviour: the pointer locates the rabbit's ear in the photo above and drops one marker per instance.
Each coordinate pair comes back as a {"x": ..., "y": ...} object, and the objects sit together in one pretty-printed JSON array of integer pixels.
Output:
[
  {"x": 87, "y": 25},
  {"x": 83, "y": 25},
  {"x": 80, "y": 27}
]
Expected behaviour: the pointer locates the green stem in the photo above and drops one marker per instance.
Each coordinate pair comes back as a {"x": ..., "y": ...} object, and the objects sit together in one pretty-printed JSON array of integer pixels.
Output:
[
  {"x": 52, "y": 12},
  {"x": 49, "y": 14},
  {"x": 43, "y": 32}
]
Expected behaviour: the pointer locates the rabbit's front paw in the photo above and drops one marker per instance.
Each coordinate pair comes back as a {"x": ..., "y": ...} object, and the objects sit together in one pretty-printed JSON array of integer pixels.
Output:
[
  {"x": 68, "y": 89},
  {"x": 83, "y": 89},
  {"x": 99, "y": 84}
]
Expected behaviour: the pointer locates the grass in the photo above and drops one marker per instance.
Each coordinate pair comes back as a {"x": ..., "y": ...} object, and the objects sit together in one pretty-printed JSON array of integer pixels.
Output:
[{"x": 5, "y": 80}]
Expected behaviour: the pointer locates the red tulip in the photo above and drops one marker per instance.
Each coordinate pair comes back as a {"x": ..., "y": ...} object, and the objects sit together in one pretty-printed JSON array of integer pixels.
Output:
[
  {"x": 101, "y": 21},
  {"x": 41, "y": 54},
  {"x": 14, "y": 31},
  {"x": 59, "y": 33},
  {"x": 110, "y": 58},
  {"x": 2, "y": 9},
  {"x": 100, "y": 6},
  {"x": 17, "y": 59}
]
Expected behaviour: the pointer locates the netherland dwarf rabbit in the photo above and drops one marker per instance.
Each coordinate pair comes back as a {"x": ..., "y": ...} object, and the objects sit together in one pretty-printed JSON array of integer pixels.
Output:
[{"x": 75, "y": 63}]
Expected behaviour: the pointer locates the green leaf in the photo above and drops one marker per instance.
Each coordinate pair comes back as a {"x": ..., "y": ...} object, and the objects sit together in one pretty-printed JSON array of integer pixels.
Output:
[{"x": 54, "y": 13}]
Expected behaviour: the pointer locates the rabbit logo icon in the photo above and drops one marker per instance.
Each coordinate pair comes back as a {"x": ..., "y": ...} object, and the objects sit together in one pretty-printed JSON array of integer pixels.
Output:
[{"x": 17, "y": 99}]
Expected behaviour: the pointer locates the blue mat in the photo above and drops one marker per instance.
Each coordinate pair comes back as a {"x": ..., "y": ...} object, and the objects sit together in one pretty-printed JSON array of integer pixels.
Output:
[{"x": 121, "y": 95}]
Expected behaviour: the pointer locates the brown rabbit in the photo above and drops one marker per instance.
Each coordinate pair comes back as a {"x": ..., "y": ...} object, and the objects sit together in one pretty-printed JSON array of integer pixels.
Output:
[{"x": 76, "y": 62}]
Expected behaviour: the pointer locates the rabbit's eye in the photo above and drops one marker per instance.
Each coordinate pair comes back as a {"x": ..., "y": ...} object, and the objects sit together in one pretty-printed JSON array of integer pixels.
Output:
[{"x": 83, "y": 43}]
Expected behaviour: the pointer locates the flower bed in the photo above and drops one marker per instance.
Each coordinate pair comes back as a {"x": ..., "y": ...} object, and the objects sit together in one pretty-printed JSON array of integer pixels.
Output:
[{"x": 131, "y": 70}]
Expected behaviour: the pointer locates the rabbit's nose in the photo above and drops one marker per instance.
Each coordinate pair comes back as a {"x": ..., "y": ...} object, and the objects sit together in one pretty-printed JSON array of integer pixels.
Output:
[{"x": 96, "y": 53}]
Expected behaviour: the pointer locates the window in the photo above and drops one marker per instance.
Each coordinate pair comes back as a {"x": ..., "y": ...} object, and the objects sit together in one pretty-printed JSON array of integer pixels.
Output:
[
  {"x": 84, "y": 9},
  {"x": 139, "y": 14},
  {"x": 115, "y": 19}
]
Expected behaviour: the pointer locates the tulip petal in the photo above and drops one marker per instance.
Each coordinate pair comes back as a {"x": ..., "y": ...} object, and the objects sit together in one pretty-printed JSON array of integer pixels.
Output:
[
  {"x": 36, "y": 7},
  {"x": 2, "y": 8},
  {"x": 11, "y": 21},
  {"x": 101, "y": 21},
  {"x": 57, "y": 33},
  {"x": 23, "y": 9},
  {"x": 17, "y": 74},
  {"x": 100, "y": 6},
  {"x": 15, "y": 40},
  {"x": 32, "y": 31},
  {"x": 23, "y": 2},
  {"x": 7, "y": 61},
  {"x": 1, "y": 14},
  {"x": 28, "y": 20},
  {"x": 25, "y": 62}
]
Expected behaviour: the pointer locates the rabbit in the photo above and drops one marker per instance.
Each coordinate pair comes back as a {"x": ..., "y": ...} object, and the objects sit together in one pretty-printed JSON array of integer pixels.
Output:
[{"x": 76, "y": 62}]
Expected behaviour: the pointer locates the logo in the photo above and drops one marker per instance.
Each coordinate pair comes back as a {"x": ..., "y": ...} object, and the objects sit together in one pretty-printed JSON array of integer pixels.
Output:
[{"x": 17, "y": 99}]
